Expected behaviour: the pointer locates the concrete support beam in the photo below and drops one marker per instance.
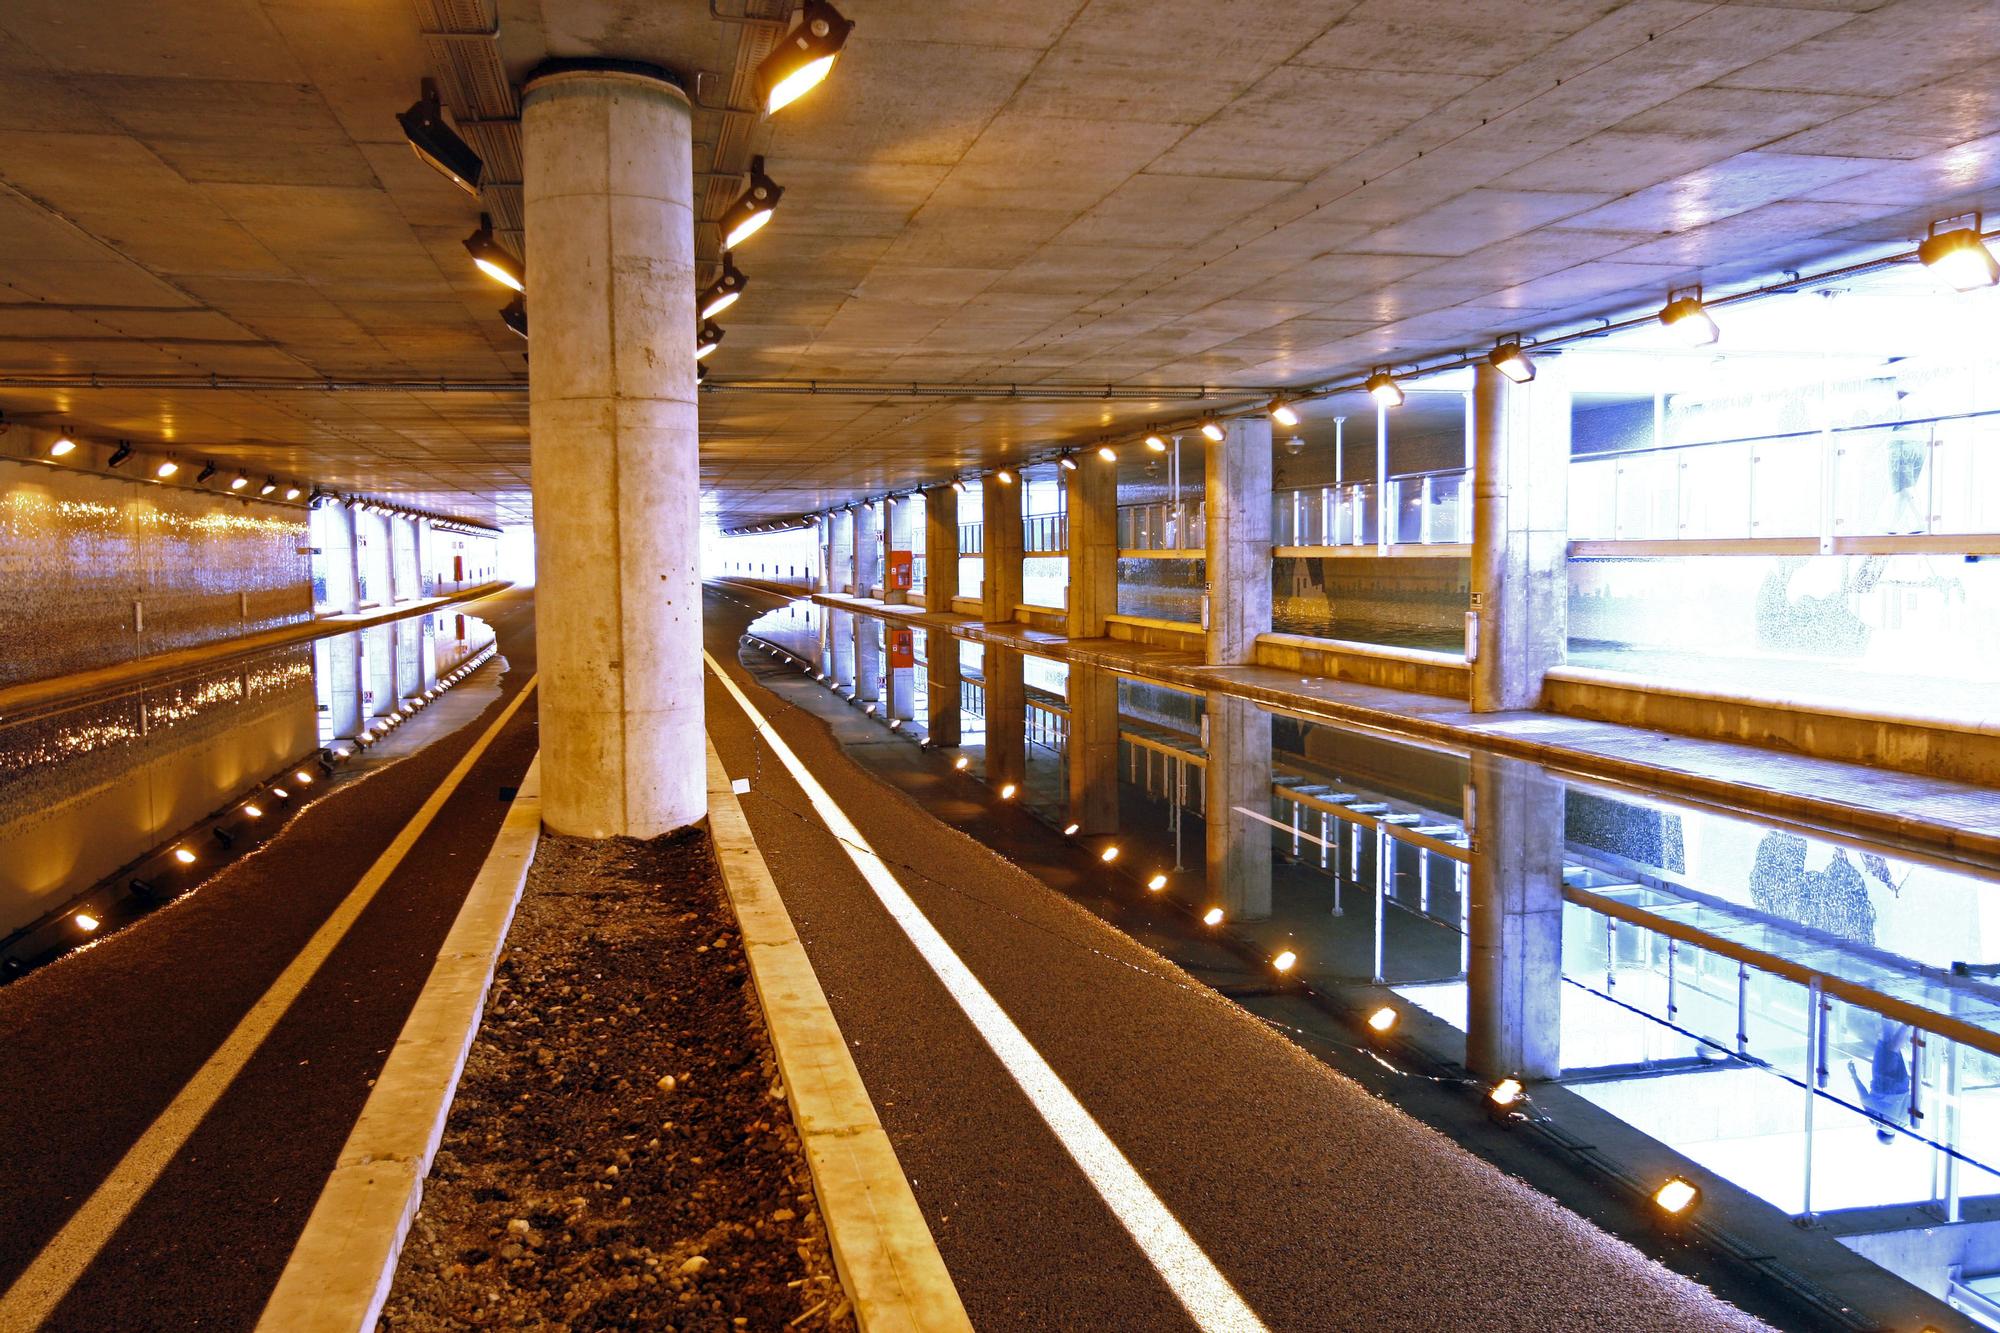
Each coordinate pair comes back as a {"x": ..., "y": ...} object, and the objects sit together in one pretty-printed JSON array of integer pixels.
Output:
[
  {"x": 867, "y": 550},
  {"x": 1238, "y": 778},
  {"x": 608, "y": 193},
  {"x": 1520, "y": 535},
  {"x": 941, "y": 662},
  {"x": 1001, "y": 591},
  {"x": 1093, "y": 748},
  {"x": 1092, "y": 501},
  {"x": 940, "y": 551},
  {"x": 1514, "y": 970},
  {"x": 898, "y": 531},
  {"x": 1006, "y": 716},
  {"x": 1238, "y": 597}
]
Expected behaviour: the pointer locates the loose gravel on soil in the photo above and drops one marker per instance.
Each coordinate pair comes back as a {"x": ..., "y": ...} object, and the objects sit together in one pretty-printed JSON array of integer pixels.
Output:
[{"x": 620, "y": 1154}]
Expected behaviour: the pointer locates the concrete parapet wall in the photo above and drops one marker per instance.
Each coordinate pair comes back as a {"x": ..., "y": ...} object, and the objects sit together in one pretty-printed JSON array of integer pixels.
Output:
[
  {"x": 1413, "y": 669},
  {"x": 1173, "y": 634}
]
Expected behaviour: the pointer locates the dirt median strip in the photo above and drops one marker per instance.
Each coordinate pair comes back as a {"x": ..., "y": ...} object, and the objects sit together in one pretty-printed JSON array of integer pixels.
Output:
[{"x": 887, "y": 1258}]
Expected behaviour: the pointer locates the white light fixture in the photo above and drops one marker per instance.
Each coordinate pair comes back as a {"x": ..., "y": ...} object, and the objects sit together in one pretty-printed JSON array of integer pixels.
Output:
[
  {"x": 1212, "y": 431},
  {"x": 1382, "y": 1021},
  {"x": 166, "y": 469},
  {"x": 1676, "y": 1197},
  {"x": 1511, "y": 361},
  {"x": 63, "y": 446},
  {"x": 1285, "y": 961},
  {"x": 1069, "y": 830},
  {"x": 707, "y": 339},
  {"x": 1109, "y": 854},
  {"x": 493, "y": 258},
  {"x": 292, "y": 492},
  {"x": 239, "y": 481},
  {"x": 1506, "y": 1094},
  {"x": 961, "y": 763},
  {"x": 725, "y": 291},
  {"x": 1212, "y": 917},
  {"x": 1688, "y": 319},
  {"x": 1004, "y": 477},
  {"x": 804, "y": 58},
  {"x": 1284, "y": 413},
  {"x": 184, "y": 856},
  {"x": 1156, "y": 883},
  {"x": 1959, "y": 257},
  {"x": 1007, "y": 790},
  {"x": 752, "y": 209},
  {"x": 85, "y": 922},
  {"x": 1382, "y": 387},
  {"x": 1156, "y": 442},
  {"x": 1107, "y": 453}
]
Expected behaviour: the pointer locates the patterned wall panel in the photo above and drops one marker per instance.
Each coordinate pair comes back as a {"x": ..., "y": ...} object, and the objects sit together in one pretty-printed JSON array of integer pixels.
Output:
[{"x": 78, "y": 551}]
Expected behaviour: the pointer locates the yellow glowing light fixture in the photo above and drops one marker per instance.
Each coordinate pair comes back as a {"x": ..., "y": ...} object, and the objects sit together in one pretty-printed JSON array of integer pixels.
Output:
[
  {"x": 63, "y": 447},
  {"x": 1212, "y": 917},
  {"x": 85, "y": 922},
  {"x": 1382, "y": 1021},
  {"x": 1959, "y": 258},
  {"x": 1067, "y": 462},
  {"x": 1004, "y": 477},
  {"x": 1285, "y": 961},
  {"x": 239, "y": 481},
  {"x": 292, "y": 492},
  {"x": 1069, "y": 830},
  {"x": 1382, "y": 387},
  {"x": 1107, "y": 453},
  {"x": 1109, "y": 854},
  {"x": 184, "y": 856},
  {"x": 1284, "y": 413},
  {"x": 1156, "y": 883},
  {"x": 304, "y": 778},
  {"x": 1156, "y": 442},
  {"x": 1677, "y": 1197},
  {"x": 1007, "y": 790},
  {"x": 166, "y": 469},
  {"x": 708, "y": 339},
  {"x": 493, "y": 259},
  {"x": 437, "y": 145},
  {"x": 725, "y": 291},
  {"x": 804, "y": 58},
  {"x": 1688, "y": 320},
  {"x": 752, "y": 209},
  {"x": 1511, "y": 361},
  {"x": 1212, "y": 431},
  {"x": 1507, "y": 1094},
  {"x": 254, "y": 811},
  {"x": 961, "y": 763}
]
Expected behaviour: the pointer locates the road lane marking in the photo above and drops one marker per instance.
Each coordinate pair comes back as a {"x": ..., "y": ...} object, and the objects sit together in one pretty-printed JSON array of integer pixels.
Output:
[
  {"x": 1187, "y": 1270},
  {"x": 41, "y": 1287}
]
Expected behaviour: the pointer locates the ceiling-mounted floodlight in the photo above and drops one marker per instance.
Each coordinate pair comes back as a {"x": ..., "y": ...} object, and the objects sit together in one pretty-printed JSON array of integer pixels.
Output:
[
  {"x": 959, "y": 485},
  {"x": 1382, "y": 387},
  {"x": 166, "y": 469},
  {"x": 1959, "y": 257},
  {"x": 706, "y": 340},
  {"x": 493, "y": 259},
  {"x": 1004, "y": 477},
  {"x": 1212, "y": 430},
  {"x": 239, "y": 481},
  {"x": 1284, "y": 413},
  {"x": 207, "y": 471},
  {"x": 438, "y": 145},
  {"x": 292, "y": 492},
  {"x": 63, "y": 446},
  {"x": 752, "y": 209},
  {"x": 1511, "y": 361},
  {"x": 270, "y": 484},
  {"x": 1066, "y": 461},
  {"x": 1688, "y": 319},
  {"x": 1107, "y": 453},
  {"x": 515, "y": 314},
  {"x": 724, "y": 291},
  {"x": 804, "y": 58},
  {"x": 1156, "y": 442},
  {"x": 121, "y": 453}
]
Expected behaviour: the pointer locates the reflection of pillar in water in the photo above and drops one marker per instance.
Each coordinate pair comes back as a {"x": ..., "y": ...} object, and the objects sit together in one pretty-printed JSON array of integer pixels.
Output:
[
  {"x": 1001, "y": 591},
  {"x": 1006, "y": 717},
  {"x": 942, "y": 664},
  {"x": 899, "y": 678},
  {"x": 867, "y": 659},
  {"x": 827, "y": 665},
  {"x": 1093, "y": 748},
  {"x": 1514, "y": 978},
  {"x": 343, "y": 682},
  {"x": 843, "y": 649},
  {"x": 1238, "y": 778}
]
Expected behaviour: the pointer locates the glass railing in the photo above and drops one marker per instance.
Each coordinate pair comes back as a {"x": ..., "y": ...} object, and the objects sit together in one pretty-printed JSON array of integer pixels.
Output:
[
  {"x": 1430, "y": 508},
  {"x": 1911, "y": 478},
  {"x": 1162, "y": 526}
]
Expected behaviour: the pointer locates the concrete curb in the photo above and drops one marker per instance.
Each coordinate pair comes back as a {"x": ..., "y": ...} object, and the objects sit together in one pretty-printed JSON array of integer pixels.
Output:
[
  {"x": 340, "y": 1271},
  {"x": 883, "y": 1249}
]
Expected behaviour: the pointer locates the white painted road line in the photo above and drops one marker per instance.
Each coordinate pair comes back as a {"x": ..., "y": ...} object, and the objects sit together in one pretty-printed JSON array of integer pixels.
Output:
[
  {"x": 1187, "y": 1270},
  {"x": 41, "y": 1287}
]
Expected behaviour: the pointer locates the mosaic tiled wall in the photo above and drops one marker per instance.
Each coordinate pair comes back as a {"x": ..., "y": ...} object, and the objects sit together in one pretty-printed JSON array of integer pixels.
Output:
[{"x": 86, "y": 561}]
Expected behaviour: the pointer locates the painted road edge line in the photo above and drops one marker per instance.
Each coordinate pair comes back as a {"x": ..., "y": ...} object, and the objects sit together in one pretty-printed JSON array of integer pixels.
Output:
[
  {"x": 43, "y": 1284},
  {"x": 340, "y": 1272},
  {"x": 1203, "y": 1291},
  {"x": 882, "y": 1248}
]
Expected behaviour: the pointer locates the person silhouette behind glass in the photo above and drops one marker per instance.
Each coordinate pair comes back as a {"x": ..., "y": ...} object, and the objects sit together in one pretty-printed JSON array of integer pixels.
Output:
[{"x": 1886, "y": 1092}]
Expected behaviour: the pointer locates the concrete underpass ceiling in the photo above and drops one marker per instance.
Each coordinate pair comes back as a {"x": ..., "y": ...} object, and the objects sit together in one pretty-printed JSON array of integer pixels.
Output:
[{"x": 1237, "y": 193}]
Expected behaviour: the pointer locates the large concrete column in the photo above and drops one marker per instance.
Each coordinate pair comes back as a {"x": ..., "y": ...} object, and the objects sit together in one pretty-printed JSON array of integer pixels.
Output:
[
  {"x": 1520, "y": 535},
  {"x": 608, "y": 187},
  {"x": 867, "y": 550},
  {"x": 1001, "y": 591},
  {"x": 1239, "y": 541},
  {"x": 1514, "y": 971},
  {"x": 897, "y": 531},
  {"x": 1092, "y": 501},
  {"x": 840, "y": 552},
  {"x": 1006, "y": 716},
  {"x": 941, "y": 662},
  {"x": 941, "y": 553},
  {"x": 824, "y": 548},
  {"x": 1093, "y": 748},
  {"x": 1238, "y": 774}
]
